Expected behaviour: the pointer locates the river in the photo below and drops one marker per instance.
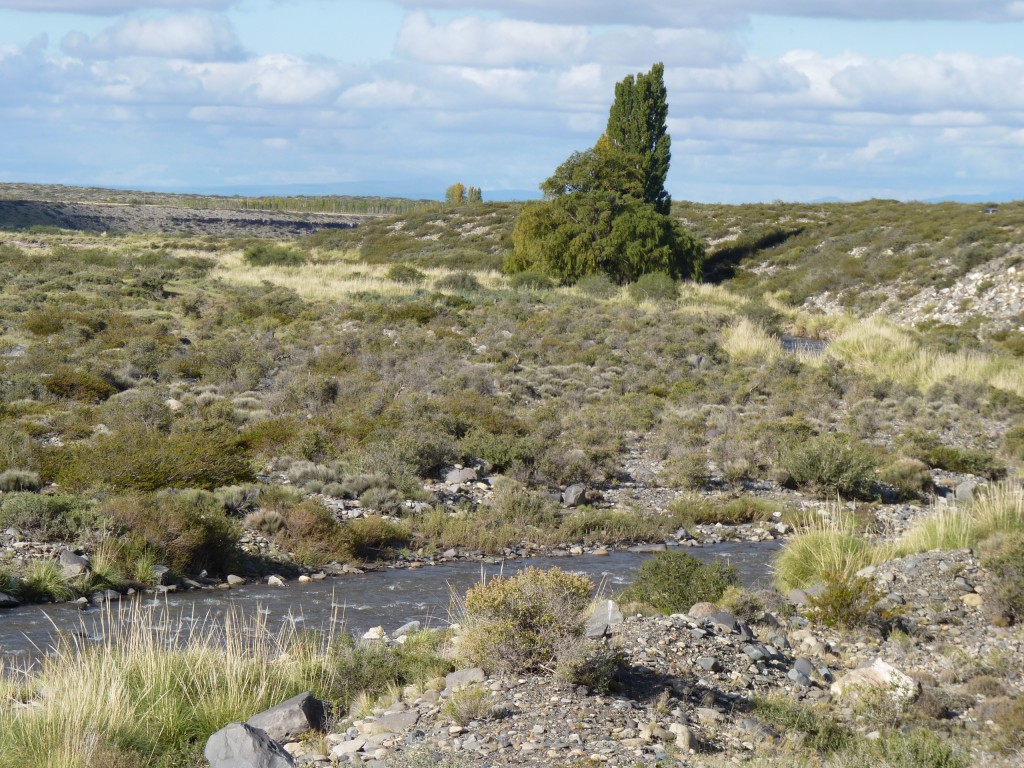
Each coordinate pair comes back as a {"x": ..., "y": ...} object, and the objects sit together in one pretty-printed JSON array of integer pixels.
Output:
[{"x": 389, "y": 597}]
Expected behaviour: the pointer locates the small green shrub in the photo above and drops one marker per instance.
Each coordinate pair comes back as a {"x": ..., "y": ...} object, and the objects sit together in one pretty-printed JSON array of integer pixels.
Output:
[
  {"x": 52, "y": 518},
  {"x": 458, "y": 281},
  {"x": 849, "y": 604},
  {"x": 371, "y": 537},
  {"x": 599, "y": 286},
  {"x": 821, "y": 733},
  {"x": 811, "y": 556},
  {"x": 530, "y": 280},
  {"x": 833, "y": 464},
  {"x": 592, "y": 665},
  {"x": 971, "y": 461},
  {"x": 671, "y": 582},
  {"x": 187, "y": 530},
  {"x": 406, "y": 274},
  {"x": 19, "y": 480},
  {"x": 517, "y": 623},
  {"x": 1004, "y": 560},
  {"x": 1013, "y": 443},
  {"x": 311, "y": 532},
  {"x": 75, "y": 384},
  {"x": 469, "y": 704},
  {"x": 910, "y": 478},
  {"x": 654, "y": 286},
  {"x": 272, "y": 255}
]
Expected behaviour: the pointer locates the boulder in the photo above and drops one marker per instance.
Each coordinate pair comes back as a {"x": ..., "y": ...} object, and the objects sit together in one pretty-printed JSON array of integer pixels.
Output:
[
  {"x": 239, "y": 745},
  {"x": 604, "y": 619},
  {"x": 161, "y": 575},
  {"x": 394, "y": 722},
  {"x": 965, "y": 491},
  {"x": 275, "y": 581},
  {"x": 6, "y": 601},
  {"x": 407, "y": 629},
  {"x": 574, "y": 495},
  {"x": 288, "y": 719},
  {"x": 235, "y": 581},
  {"x": 703, "y": 610},
  {"x": 463, "y": 677},
  {"x": 72, "y": 565},
  {"x": 459, "y": 476},
  {"x": 877, "y": 675}
]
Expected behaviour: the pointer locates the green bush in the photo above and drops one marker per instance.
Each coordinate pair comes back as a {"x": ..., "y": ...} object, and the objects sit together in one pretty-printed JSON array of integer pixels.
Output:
[
  {"x": 52, "y": 518},
  {"x": 19, "y": 480},
  {"x": 518, "y": 623},
  {"x": 654, "y": 286},
  {"x": 1013, "y": 443},
  {"x": 671, "y": 582},
  {"x": 833, "y": 464},
  {"x": 406, "y": 274},
  {"x": 272, "y": 255},
  {"x": 187, "y": 530},
  {"x": 531, "y": 280},
  {"x": 971, "y": 461},
  {"x": 145, "y": 459},
  {"x": 458, "y": 281},
  {"x": 43, "y": 582},
  {"x": 821, "y": 733},
  {"x": 910, "y": 478},
  {"x": 1004, "y": 560},
  {"x": 75, "y": 384},
  {"x": 599, "y": 286},
  {"x": 312, "y": 533},
  {"x": 849, "y": 604}
]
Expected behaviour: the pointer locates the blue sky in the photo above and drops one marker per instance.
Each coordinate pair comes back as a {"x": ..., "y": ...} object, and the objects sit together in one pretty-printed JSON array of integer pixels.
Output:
[{"x": 769, "y": 99}]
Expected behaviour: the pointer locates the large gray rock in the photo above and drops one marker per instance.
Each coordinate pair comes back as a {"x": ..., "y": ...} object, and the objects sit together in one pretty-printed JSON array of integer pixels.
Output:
[
  {"x": 605, "y": 619},
  {"x": 239, "y": 745},
  {"x": 6, "y": 601},
  {"x": 288, "y": 719},
  {"x": 463, "y": 677},
  {"x": 877, "y": 675},
  {"x": 394, "y": 722},
  {"x": 459, "y": 476},
  {"x": 574, "y": 495},
  {"x": 965, "y": 491},
  {"x": 72, "y": 565}
]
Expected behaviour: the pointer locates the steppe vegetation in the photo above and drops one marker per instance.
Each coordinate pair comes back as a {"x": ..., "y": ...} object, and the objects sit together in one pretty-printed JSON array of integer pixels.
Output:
[{"x": 162, "y": 396}]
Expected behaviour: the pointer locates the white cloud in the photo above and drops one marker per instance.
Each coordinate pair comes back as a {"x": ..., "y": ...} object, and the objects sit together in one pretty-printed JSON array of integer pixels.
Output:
[
  {"x": 700, "y": 13},
  {"x": 111, "y": 7},
  {"x": 474, "y": 41},
  {"x": 273, "y": 79},
  {"x": 637, "y": 46},
  {"x": 885, "y": 149},
  {"x": 382, "y": 94},
  {"x": 177, "y": 36}
]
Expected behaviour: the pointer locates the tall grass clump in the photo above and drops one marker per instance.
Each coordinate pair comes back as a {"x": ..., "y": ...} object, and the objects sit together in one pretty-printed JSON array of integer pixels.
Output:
[
  {"x": 149, "y": 695},
  {"x": 828, "y": 549},
  {"x": 748, "y": 342},
  {"x": 997, "y": 509}
]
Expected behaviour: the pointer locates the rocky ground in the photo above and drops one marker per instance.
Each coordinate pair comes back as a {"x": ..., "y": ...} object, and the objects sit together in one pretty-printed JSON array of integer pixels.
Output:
[
  {"x": 150, "y": 219},
  {"x": 690, "y": 685}
]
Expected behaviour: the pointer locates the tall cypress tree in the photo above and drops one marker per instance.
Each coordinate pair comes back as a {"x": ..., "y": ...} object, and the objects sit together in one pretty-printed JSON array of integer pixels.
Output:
[{"x": 637, "y": 124}]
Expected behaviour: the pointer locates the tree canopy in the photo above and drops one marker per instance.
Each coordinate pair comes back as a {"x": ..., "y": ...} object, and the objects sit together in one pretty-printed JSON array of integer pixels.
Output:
[{"x": 606, "y": 209}]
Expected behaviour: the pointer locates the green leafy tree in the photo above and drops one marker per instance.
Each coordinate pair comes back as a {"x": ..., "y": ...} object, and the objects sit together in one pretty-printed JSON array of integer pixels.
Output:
[
  {"x": 606, "y": 208},
  {"x": 474, "y": 195},
  {"x": 637, "y": 125},
  {"x": 455, "y": 194}
]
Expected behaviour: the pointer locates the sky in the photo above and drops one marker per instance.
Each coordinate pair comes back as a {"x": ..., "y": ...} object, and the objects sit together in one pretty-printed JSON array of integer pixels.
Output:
[{"x": 793, "y": 100}]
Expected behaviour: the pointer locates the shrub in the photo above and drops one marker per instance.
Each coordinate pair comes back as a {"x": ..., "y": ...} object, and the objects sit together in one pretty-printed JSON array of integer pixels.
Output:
[
  {"x": 75, "y": 384},
  {"x": 594, "y": 666},
  {"x": 1013, "y": 443},
  {"x": 812, "y": 556},
  {"x": 145, "y": 459},
  {"x": 531, "y": 280},
  {"x": 821, "y": 733},
  {"x": 599, "y": 286},
  {"x": 1004, "y": 600},
  {"x": 910, "y": 478},
  {"x": 52, "y": 518},
  {"x": 671, "y": 582},
  {"x": 187, "y": 530},
  {"x": 272, "y": 255},
  {"x": 833, "y": 464},
  {"x": 406, "y": 274},
  {"x": 848, "y": 604},
  {"x": 458, "y": 281},
  {"x": 517, "y": 623},
  {"x": 313, "y": 535},
  {"x": 19, "y": 480},
  {"x": 654, "y": 286},
  {"x": 469, "y": 704},
  {"x": 371, "y": 536},
  {"x": 970, "y": 461}
]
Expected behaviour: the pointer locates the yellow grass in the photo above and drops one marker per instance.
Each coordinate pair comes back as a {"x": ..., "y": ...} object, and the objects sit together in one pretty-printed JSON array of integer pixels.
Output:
[
  {"x": 748, "y": 341},
  {"x": 335, "y": 279}
]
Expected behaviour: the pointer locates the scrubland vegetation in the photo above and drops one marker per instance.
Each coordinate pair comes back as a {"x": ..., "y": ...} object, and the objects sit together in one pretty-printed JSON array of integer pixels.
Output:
[{"x": 161, "y": 396}]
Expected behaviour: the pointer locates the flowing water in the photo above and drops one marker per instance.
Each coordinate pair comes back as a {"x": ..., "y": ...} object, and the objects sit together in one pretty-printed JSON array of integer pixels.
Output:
[{"x": 355, "y": 603}]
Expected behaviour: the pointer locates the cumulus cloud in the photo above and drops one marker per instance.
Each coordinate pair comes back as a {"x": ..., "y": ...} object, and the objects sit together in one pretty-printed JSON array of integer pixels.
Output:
[
  {"x": 197, "y": 37},
  {"x": 111, "y": 7},
  {"x": 278, "y": 79},
  {"x": 474, "y": 41},
  {"x": 712, "y": 13}
]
